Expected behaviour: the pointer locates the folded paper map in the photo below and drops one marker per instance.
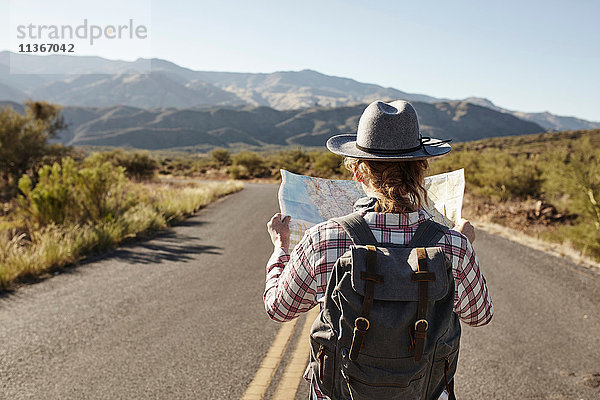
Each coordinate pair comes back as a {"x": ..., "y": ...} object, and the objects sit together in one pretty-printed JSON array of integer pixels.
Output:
[{"x": 309, "y": 200}]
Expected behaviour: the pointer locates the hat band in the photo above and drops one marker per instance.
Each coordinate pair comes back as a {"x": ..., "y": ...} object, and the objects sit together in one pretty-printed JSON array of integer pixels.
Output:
[
  {"x": 424, "y": 141},
  {"x": 387, "y": 151}
]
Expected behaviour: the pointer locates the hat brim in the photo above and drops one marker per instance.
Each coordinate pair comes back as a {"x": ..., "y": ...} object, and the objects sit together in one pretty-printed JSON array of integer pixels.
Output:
[{"x": 345, "y": 145}]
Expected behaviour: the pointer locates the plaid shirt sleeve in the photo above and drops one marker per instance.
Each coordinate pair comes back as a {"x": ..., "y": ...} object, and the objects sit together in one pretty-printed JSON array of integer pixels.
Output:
[
  {"x": 472, "y": 301},
  {"x": 296, "y": 282},
  {"x": 291, "y": 287}
]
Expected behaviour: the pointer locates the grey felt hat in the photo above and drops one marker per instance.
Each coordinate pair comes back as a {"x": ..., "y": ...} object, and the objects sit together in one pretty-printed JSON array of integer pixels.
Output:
[{"x": 388, "y": 132}]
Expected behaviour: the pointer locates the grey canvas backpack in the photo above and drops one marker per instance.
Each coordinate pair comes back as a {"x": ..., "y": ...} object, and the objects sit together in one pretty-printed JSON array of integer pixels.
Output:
[{"x": 387, "y": 329}]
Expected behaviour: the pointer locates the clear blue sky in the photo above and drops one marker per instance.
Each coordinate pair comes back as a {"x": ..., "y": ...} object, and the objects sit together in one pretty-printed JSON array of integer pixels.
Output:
[{"x": 522, "y": 55}]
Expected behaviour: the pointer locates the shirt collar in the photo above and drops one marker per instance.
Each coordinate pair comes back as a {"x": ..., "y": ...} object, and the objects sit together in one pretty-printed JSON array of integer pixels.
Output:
[{"x": 366, "y": 205}]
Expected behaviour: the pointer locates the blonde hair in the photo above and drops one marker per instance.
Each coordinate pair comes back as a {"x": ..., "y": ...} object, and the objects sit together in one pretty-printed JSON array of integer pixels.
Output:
[{"x": 399, "y": 184}]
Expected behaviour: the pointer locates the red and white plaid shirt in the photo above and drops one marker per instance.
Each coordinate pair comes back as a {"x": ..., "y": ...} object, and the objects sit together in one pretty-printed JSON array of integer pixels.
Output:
[{"x": 296, "y": 282}]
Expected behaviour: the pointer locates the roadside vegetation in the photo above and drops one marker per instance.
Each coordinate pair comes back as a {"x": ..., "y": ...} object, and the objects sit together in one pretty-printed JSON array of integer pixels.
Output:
[
  {"x": 59, "y": 206},
  {"x": 250, "y": 165},
  {"x": 546, "y": 185}
]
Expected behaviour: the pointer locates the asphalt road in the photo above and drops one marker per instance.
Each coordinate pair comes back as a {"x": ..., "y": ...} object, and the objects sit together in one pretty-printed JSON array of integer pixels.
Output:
[{"x": 181, "y": 317}]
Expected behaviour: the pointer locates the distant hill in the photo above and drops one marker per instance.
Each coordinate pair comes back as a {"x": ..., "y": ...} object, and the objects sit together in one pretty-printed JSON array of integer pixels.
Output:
[
  {"x": 301, "y": 89},
  {"x": 11, "y": 93},
  {"x": 179, "y": 85},
  {"x": 545, "y": 119},
  {"x": 138, "y": 90},
  {"x": 169, "y": 128},
  {"x": 155, "y": 83}
]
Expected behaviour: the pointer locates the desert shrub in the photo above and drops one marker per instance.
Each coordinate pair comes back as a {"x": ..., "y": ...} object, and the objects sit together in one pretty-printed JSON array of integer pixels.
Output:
[
  {"x": 203, "y": 164},
  {"x": 188, "y": 165},
  {"x": 138, "y": 165},
  {"x": 494, "y": 174},
  {"x": 221, "y": 156},
  {"x": 328, "y": 164},
  {"x": 53, "y": 199},
  {"x": 296, "y": 161},
  {"x": 252, "y": 162},
  {"x": 103, "y": 192},
  {"x": 561, "y": 168},
  {"x": 24, "y": 140},
  {"x": 502, "y": 177},
  {"x": 574, "y": 173},
  {"x": 180, "y": 166},
  {"x": 236, "y": 172},
  {"x": 67, "y": 194}
]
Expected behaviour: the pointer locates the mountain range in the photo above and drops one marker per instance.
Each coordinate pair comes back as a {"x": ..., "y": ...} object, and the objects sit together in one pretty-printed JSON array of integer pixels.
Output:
[
  {"x": 155, "y": 84},
  {"x": 256, "y": 127}
]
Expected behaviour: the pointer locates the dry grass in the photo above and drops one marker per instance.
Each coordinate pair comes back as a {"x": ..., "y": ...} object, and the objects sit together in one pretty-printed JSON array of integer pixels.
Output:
[
  {"x": 558, "y": 249},
  {"x": 25, "y": 255}
]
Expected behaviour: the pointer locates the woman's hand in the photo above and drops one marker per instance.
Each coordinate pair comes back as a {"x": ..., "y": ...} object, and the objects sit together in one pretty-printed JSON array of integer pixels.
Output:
[
  {"x": 465, "y": 227},
  {"x": 279, "y": 230}
]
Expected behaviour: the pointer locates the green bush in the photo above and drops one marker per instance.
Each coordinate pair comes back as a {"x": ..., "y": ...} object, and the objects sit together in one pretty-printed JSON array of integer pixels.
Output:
[
  {"x": 252, "y": 162},
  {"x": 221, "y": 156},
  {"x": 66, "y": 194},
  {"x": 188, "y": 165},
  {"x": 328, "y": 164},
  {"x": 139, "y": 165},
  {"x": 296, "y": 161},
  {"x": 561, "y": 168},
  {"x": 574, "y": 175},
  {"x": 494, "y": 174},
  {"x": 24, "y": 140},
  {"x": 53, "y": 199},
  {"x": 236, "y": 172}
]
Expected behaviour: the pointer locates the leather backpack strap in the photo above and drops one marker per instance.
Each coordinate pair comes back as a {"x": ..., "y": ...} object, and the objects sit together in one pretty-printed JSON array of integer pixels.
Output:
[
  {"x": 361, "y": 323},
  {"x": 423, "y": 277},
  {"x": 428, "y": 233},
  {"x": 357, "y": 228},
  {"x": 360, "y": 233}
]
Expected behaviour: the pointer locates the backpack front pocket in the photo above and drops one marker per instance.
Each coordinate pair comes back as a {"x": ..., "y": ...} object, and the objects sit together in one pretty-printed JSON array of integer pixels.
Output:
[
  {"x": 323, "y": 366},
  {"x": 382, "y": 378},
  {"x": 444, "y": 367}
]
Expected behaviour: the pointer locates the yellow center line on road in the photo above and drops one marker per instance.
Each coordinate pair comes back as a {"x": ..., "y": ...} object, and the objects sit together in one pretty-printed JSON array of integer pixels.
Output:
[
  {"x": 262, "y": 379},
  {"x": 288, "y": 386}
]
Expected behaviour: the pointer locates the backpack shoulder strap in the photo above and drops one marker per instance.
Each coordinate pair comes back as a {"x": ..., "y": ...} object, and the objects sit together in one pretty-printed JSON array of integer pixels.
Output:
[
  {"x": 428, "y": 233},
  {"x": 357, "y": 228}
]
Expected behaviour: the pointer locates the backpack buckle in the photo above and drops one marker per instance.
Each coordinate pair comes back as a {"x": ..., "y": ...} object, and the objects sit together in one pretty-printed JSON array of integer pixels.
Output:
[
  {"x": 418, "y": 344},
  {"x": 361, "y": 326},
  {"x": 364, "y": 322},
  {"x": 419, "y": 322}
]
